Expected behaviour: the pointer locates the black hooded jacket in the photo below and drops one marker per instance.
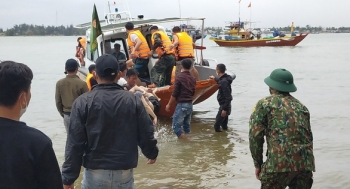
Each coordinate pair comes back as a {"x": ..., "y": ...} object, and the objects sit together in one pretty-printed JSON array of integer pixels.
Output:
[
  {"x": 107, "y": 124},
  {"x": 225, "y": 91}
]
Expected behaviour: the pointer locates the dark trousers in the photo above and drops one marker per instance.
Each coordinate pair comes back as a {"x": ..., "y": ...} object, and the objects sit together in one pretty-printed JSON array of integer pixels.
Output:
[
  {"x": 221, "y": 121},
  {"x": 141, "y": 65},
  {"x": 161, "y": 72},
  {"x": 294, "y": 180}
]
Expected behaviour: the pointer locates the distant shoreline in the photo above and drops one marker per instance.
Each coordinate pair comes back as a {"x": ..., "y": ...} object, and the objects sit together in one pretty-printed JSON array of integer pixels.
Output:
[{"x": 1, "y": 35}]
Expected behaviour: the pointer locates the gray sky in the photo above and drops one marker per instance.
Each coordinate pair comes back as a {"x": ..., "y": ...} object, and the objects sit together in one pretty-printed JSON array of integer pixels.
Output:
[{"x": 267, "y": 13}]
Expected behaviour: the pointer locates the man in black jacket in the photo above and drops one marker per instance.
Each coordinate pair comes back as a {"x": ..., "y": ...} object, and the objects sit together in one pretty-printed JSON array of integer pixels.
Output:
[
  {"x": 107, "y": 125},
  {"x": 27, "y": 159},
  {"x": 224, "y": 97}
]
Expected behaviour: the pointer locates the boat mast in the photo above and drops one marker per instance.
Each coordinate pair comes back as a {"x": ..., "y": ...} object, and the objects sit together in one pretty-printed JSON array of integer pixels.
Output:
[
  {"x": 180, "y": 11},
  {"x": 239, "y": 17},
  {"x": 179, "y": 8},
  {"x": 250, "y": 19},
  {"x": 109, "y": 7},
  {"x": 127, "y": 6}
]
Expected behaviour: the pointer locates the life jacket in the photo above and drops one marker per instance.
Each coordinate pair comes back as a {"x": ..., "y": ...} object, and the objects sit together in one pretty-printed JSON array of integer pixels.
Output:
[
  {"x": 165, "y": 48},
  {"x": 143, "y": 49},
  {"x": 185, "y": 46},
  {"x": 82, "y": 42},
  {"x": 88, "y": 78}
]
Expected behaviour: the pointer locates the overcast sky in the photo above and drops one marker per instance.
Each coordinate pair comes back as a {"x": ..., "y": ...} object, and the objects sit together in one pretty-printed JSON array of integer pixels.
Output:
[{"x": 266, "y": 13}]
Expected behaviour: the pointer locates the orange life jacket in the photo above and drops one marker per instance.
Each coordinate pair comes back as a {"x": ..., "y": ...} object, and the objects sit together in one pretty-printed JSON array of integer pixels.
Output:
[
  {"x": 185, "y": 46},
  {"x": 143, "y": 50},
  {"x": 82, "y": 42},
  {"x": 88, "y": 77},
  {"x": 165, "y": 48}
]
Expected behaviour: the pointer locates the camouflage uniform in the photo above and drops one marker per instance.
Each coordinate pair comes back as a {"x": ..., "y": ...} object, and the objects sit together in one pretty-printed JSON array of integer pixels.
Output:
[
  {"x": 285, "y": 122},
  {"x": 161, "y": 72}
]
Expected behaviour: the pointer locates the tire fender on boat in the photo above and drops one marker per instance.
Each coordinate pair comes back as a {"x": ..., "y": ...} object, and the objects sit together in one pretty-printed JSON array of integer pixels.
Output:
[{"x": 205, "y": 62}]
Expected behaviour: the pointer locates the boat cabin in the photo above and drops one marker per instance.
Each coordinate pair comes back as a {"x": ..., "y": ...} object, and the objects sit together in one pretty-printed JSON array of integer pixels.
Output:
[{"x": 114, "y": 32}]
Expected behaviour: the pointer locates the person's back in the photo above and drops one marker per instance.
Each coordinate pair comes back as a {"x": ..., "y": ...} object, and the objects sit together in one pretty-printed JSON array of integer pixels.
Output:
[
  {"x": 139, "y": 54},
  {"x": 184, "y": 48},
  {"x": 68, "y": 89},
  {"x": 289, "y": 129},
  {"x": 27, "y": 159},
  {"x": 183, "y": 92},
  {"x": 285, "y": 122},
  {"x": 26, "y": 150},
  {"x": 161, "y": 71},
  {"x": 109, "y": 124},
  {"x": 110, "y": 109},
  {"x": 187, "y": 85}
]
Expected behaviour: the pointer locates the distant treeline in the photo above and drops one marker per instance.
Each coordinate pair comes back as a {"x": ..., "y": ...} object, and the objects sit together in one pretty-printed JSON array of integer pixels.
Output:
[{"x": 32, "y": 30}]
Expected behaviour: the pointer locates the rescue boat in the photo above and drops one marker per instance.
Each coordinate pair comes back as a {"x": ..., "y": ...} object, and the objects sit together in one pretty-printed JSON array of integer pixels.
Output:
[{"x": 113, "y": 30}]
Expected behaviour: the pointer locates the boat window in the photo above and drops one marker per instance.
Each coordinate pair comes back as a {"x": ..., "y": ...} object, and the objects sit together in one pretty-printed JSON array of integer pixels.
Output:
[
  {"x": 109, "y": 46},
  {"x": 91, "y": 55},
  {"x": 95, "y": 55},
  {"x": 88, "y": 51}
]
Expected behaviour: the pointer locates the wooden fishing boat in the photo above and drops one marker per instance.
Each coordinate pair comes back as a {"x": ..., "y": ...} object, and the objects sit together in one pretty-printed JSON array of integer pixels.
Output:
[
  {"x": 238, "y": 36},
  {"x": 114, "y": 32},
  {"x": 277, "y": 41}
]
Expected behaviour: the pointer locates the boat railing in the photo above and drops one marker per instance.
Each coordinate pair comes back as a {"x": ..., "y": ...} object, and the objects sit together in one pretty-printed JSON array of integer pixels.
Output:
[{"x": 117, "y": 17}]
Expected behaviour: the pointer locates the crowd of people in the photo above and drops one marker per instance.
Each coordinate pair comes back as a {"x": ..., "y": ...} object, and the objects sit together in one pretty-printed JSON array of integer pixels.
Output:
[{"x": 113, "y": 112}]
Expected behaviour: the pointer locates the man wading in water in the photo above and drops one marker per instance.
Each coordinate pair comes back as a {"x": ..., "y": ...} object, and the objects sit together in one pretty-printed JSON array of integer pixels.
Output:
[
  {"x": 285, "y": 122},
  {"x": 108, "y": 124}
]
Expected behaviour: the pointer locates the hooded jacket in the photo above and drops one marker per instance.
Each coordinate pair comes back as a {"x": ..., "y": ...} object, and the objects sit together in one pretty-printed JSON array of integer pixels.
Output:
[
  {"x": 107, "y": 126},
  {"x": 225, "y": 91}
]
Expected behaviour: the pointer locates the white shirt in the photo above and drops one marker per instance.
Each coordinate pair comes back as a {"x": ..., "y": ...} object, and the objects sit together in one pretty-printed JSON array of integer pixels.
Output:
[
  {"x": 121, "y": 82},
  {"x": 133, "y": 37}
]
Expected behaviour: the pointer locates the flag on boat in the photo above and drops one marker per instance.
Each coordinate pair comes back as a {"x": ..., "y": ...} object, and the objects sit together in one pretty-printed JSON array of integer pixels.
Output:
[
  {"x": 95, "y": 30},
  {"x": 250, "y": 5},
  {"x": 292, "y": 28}
]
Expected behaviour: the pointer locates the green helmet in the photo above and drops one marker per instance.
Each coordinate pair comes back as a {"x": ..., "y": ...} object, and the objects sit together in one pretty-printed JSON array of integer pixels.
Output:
[{"x": 281, "y": 80}]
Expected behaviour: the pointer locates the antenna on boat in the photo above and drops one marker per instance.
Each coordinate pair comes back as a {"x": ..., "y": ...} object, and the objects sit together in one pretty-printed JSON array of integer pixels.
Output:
[
  {"x": 109, "y": 7},
  {"x": 127, "y": 7},
  {"x": 180, "y": 11},
  {"x": 179, "y": 8}
]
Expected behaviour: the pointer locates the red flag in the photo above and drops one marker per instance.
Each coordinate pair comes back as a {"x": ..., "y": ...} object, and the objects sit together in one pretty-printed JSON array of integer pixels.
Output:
[{"x": 250, "y": 5}]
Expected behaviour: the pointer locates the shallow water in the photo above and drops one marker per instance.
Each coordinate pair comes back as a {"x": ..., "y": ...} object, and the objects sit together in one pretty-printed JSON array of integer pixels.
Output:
[{"x": 320, "y": 65}]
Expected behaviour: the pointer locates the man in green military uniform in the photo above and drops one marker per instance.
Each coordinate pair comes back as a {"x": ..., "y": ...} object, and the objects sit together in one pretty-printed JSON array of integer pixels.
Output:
[{"x": 285, "y": 122}]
